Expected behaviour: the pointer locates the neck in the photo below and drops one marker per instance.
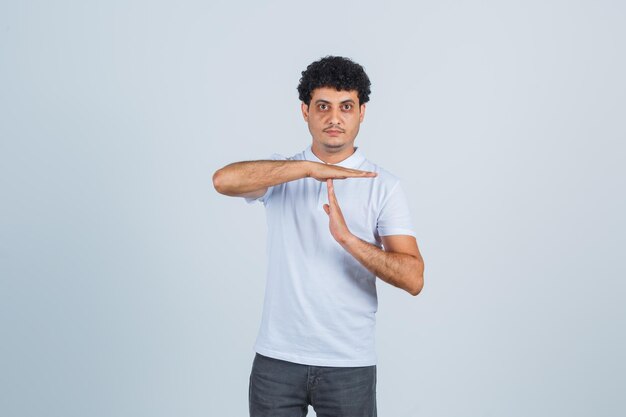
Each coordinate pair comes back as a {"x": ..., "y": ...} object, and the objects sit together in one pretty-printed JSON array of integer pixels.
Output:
[{"x": 333, "y": 155}]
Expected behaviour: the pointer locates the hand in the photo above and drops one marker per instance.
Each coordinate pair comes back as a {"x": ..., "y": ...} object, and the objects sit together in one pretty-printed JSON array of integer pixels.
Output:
[
  {"x": 323, "y": 172},
  {"x": 337, "y": 224}
]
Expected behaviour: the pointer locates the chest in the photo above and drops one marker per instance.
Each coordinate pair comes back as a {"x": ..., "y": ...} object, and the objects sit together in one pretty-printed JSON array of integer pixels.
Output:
[{"x": 299, "y": 205}]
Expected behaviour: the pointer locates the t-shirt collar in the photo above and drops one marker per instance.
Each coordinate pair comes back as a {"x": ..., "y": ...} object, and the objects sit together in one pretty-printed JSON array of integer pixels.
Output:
[{"x": 353, "y": 161}]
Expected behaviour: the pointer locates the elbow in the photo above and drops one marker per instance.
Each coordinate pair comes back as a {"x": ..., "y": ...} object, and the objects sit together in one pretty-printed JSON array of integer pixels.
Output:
[
  {"x": 417, "y": 288},
  {"x": 418, "y": 280},
  {"x": 218, "y": 181}
]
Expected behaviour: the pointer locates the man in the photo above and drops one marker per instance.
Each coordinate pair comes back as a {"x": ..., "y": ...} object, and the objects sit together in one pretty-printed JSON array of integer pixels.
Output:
[{"x": 330, "y": 211}]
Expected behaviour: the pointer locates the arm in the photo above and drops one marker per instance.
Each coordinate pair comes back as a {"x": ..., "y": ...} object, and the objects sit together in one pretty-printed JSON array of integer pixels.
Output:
[
  {"x": 400, "y": 264},
  {"x": 252, "y": 178}
]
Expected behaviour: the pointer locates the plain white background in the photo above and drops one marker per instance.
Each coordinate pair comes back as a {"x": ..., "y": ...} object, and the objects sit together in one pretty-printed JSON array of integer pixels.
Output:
[{"x": 129, "y": 287}]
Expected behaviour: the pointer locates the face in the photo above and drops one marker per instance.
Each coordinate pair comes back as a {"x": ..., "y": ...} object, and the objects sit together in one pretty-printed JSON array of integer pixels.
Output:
[{"x": 334, "y": 118}]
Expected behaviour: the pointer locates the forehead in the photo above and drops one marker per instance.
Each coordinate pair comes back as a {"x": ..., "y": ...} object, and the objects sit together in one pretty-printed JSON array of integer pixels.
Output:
[{"x": 331, "y": 94}]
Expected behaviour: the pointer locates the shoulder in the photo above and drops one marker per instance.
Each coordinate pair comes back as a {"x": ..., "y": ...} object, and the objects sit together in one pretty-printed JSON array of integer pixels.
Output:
[{"x": 278, "y": 157}]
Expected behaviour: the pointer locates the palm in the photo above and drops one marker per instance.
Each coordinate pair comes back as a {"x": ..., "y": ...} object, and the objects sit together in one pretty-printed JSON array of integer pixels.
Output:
[
  {"x": 324, "y": 172},
  {"x": 337, "y": 224}
]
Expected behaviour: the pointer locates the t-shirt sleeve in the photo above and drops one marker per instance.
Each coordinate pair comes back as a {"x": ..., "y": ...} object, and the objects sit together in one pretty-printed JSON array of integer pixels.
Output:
[
  {"x": 395, "y": 215},
  {"x": 263, "y": 199}
]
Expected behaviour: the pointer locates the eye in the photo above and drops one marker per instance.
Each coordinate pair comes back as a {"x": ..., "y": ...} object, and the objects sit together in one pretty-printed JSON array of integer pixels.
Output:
[
  {"x": 323, "y": 106},
  {"x": 347, "y": 106}
]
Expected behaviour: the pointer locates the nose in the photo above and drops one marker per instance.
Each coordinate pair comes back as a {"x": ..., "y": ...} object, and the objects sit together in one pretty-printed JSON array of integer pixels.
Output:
[{"x": 334, "y": 117}]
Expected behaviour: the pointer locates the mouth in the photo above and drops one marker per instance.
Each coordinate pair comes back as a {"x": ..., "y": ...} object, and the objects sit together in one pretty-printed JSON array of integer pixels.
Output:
[{"x": 333, "y": 132}]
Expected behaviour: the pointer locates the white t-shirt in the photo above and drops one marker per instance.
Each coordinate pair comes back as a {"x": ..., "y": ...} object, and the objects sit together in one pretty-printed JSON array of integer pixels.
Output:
[{"x": 320, "y": 302}]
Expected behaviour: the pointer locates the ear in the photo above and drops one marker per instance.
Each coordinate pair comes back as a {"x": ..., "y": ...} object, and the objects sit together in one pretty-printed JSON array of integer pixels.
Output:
[
  {"x": 305, "y": 111},
  {"x": 362, "y": 115}
]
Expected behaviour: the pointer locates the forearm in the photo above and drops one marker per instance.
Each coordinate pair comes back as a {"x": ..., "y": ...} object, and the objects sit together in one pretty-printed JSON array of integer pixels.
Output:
[
  {"x": 398, "y": 269},
  {"x": 246, "y": 176}
]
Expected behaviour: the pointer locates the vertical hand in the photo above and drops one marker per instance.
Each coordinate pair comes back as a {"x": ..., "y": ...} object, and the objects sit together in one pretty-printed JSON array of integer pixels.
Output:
[{"x": 337, "y": 223}]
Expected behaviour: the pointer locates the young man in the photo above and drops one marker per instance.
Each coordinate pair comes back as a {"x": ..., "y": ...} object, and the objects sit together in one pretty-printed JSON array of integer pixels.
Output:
[{"x": 330, "y": 213}]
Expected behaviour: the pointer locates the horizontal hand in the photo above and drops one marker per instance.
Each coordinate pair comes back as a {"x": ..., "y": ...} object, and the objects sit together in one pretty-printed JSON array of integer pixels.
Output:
[{"x": 323, "y": 172}]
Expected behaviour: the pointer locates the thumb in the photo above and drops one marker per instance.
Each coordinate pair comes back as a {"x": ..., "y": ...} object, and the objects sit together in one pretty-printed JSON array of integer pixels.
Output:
[{"x": 326, "y": 208}]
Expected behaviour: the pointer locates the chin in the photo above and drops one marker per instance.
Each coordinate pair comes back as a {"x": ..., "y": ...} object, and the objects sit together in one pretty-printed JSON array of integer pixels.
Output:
[
  {"x": 334, "y": 142},
  {"x": 335, "y": 145}
]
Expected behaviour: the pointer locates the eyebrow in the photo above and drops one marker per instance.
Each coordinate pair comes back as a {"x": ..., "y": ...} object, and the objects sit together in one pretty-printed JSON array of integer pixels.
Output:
[{"x": 341, "y": 102}]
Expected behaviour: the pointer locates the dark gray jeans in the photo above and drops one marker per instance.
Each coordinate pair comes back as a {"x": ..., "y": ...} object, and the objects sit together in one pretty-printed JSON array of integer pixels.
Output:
[{"x": 285, "y": 389}]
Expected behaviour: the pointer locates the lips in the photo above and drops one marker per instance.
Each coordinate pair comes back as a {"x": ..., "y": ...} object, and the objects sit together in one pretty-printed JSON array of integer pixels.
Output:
[{"x": 333, "y": 132}]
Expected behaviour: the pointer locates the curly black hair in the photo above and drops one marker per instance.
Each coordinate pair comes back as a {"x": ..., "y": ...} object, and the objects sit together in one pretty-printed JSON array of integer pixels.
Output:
[{"x": 334, "y": 71}]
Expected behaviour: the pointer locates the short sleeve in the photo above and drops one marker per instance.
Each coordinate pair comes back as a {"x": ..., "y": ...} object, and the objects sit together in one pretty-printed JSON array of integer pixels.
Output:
[
  {"x": 263, "y": 199},
  {"x": 395, "y": 216}
]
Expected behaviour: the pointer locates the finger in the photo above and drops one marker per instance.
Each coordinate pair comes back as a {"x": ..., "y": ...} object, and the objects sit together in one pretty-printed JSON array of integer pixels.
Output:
[
  {"x": 332, "y": 198},
  {"x": 359, "y": 173},
  {"x": 326, "y": 209},
  {"x": 331, "y": 191}
]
